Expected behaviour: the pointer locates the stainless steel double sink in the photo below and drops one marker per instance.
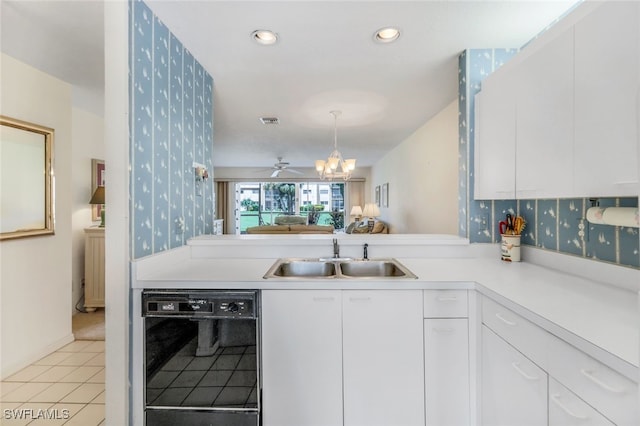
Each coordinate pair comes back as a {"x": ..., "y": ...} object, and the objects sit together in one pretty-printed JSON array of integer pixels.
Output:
[{"x": 340, "y": 268}]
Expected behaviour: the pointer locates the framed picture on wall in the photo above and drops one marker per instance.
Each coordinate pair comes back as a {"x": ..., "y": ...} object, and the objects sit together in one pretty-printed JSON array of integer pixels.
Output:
[
  {"x": 97, "y": 179},
  {"x": 385, "y": 195},
  {"x": 378, "y": 195}
]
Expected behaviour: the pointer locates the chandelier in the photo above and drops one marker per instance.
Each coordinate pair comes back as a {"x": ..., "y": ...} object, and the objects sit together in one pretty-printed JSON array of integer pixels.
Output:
[{"x": 329, "y": 169}]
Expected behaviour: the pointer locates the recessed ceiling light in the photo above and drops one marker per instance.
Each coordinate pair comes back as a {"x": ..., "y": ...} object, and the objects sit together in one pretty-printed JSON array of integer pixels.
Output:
[
  {"x": 386, "y": 35},
  {"x": 265, "y": 37}
]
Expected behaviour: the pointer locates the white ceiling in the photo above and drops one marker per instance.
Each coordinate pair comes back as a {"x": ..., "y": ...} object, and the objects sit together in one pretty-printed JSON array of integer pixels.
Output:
[{"x": 325, "y": 59}]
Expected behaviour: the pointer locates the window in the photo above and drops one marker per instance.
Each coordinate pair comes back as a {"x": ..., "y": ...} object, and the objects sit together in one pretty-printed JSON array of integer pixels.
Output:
[{"x": 259, "y": 203}]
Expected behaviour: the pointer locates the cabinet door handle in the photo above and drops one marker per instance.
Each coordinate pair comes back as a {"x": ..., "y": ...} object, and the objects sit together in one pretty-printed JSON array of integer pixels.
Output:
[
  {"x": 589, "y": 375},
  {"x": 447, "y": 299},
  {"x": 556, "y": 400},
  {"x": 506, "y": 321},
  {"x": 359, "y": 299},
  {"x": 516, "y": 366},
  {"x": 626, "y": 182},
  {"x": 447, "y": 330},
  {"x": 323, "y": 299}
]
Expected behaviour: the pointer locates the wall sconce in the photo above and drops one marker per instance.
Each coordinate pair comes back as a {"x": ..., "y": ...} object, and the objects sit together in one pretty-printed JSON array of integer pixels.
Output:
[
  {"x": 201, "y": 176},
  {"x": 98, "y": 198}
]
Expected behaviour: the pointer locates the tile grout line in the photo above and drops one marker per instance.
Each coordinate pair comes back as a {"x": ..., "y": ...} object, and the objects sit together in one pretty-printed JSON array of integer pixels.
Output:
[{"x": 79, "y": 349}]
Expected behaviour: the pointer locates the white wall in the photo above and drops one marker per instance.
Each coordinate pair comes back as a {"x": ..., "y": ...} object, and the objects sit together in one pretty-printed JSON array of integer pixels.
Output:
[
  {"x": 422, "y": 173},
  {"x": 87, "y": 134},
  {"x": 35, "y": 273},
  {"x": 118, "y": 309}
]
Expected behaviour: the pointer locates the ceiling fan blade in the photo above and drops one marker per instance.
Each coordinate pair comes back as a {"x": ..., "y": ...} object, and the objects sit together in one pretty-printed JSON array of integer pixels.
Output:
[
  {"x": 298, "y": 172},
  {"x": 276, "y": 173}
]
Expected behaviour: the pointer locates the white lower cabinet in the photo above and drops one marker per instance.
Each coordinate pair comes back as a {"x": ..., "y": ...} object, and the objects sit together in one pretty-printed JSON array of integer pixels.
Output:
[
  {"x": 446, "y": 363},
  {"x": 302, "y": 357},
  {"x": 517, "y": 358},
  {"x": 351, "y": 358},
  {"x": 514, "y": 389},
  {"x": 382, "y": 358},
  {"x": 609, "y": 392},
  {"x": 566, "y": 409}
]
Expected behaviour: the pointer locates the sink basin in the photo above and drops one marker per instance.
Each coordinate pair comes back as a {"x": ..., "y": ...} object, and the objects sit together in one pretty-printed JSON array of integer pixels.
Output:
[
  {"x": 302, "y": 268},
  {"x": 340, "y": 268},
  {"x": 374, "y": 268}
]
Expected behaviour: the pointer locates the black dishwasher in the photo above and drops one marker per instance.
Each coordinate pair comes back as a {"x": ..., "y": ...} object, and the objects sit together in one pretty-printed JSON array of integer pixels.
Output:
[{"x": 202, "y": 358}]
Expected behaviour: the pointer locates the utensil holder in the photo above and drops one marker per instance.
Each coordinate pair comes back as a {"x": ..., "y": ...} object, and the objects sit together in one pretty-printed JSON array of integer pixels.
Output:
[{"x": 510, "y": 248}]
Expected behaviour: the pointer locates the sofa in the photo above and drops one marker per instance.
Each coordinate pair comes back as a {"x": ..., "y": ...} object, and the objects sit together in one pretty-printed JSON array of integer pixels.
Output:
[
  {"x": 291, "y": 229},
  {"x": 379, "y": 227}
]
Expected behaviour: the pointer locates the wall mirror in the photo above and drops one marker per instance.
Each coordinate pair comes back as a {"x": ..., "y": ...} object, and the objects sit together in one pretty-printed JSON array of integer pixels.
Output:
[{"x": 26, "y": 179}]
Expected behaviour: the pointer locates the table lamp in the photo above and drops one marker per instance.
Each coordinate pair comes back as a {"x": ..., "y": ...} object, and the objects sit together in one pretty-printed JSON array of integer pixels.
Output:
[
  {"x": 371, "y": 211},
  {"x": 98, "y": 198},
  {"x": 357, "y": 212}
]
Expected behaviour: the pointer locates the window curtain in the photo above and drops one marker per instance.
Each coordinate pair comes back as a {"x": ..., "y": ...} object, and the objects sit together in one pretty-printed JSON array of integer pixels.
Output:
[
  {"x": 224, "y": 202},
  {"x": 355, "y": 192}
]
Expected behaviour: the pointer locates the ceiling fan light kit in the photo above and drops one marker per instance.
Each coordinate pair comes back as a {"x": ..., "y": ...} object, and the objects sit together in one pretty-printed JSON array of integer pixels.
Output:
[
  {"x": 282, "y": 166},
  {"x": 328, "y": 169}
]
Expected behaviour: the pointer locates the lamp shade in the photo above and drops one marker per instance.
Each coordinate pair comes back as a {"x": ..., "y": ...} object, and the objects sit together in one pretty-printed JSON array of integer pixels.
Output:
[
  {"x": 356, "y": 211},
  {"x": 98, "y": 196},
  {"x": 371, "y": 210}
]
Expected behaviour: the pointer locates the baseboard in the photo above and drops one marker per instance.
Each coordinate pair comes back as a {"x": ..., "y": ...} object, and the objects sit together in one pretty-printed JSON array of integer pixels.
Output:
[{"x": 8, "y": 370}]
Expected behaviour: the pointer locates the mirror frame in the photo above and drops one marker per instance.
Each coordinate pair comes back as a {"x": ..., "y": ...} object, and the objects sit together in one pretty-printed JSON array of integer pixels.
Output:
[{"x": 48, "y": 202}]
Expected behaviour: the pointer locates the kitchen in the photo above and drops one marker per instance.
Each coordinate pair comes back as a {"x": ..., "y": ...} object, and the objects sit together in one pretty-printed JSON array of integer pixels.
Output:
[
  {"x": 119, "y": 219},
  {"x": 341, "y": 394}
]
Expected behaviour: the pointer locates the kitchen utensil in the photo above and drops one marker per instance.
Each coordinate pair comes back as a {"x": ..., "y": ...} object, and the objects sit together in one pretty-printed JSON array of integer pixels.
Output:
[
  {"x": 502, "y": 227},
  {"x": 518, "y": 225}
]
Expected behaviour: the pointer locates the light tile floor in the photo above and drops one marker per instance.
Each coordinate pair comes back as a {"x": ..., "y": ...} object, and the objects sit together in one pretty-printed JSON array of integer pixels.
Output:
[{"x": 63, "y": 388}]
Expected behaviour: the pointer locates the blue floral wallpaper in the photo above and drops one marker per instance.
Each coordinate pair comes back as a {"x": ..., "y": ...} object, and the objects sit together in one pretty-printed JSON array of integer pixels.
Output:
[
  {"x": 171, "y": 128},
  {"x": 552, "y": 224}
]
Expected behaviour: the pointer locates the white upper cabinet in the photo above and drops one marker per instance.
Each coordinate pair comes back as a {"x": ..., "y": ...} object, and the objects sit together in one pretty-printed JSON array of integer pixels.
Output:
[
  {"x": 544, "y": 121},
  {"x": 573, "y": 130},
  {"x": 606, "y": 91},
  {"x": 495, "y": 137}
]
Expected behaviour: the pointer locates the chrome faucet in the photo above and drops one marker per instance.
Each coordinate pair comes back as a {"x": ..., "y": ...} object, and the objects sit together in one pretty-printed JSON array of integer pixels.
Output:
[
  {"x": 336, "y": 248},
  {"x": 365, "y": 255}
]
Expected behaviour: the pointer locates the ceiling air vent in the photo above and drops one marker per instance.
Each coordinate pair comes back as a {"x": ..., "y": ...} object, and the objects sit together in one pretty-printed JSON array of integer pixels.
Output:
[{"x": 270, "y": 120}]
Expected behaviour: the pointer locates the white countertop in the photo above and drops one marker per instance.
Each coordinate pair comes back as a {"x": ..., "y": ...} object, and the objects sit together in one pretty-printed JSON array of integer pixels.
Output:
[{"x": 601, "y": 320}]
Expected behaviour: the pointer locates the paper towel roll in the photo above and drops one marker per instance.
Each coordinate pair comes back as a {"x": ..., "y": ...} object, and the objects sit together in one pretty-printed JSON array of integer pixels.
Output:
[
  {"x": 594, "y": 215},
  {"x": 621, "y": 216},
  {"x": 616, "y": 216}
]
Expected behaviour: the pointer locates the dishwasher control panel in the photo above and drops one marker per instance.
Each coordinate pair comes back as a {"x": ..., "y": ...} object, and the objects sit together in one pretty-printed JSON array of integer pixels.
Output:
[{"x": 208, "y": 304}]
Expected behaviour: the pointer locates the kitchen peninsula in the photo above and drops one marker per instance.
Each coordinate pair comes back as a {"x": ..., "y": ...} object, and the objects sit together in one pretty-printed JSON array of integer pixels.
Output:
[{"x": 551, "y": 314}]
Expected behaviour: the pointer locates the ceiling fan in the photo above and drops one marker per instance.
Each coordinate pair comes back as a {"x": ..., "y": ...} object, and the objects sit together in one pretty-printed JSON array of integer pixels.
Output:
[{"x": 282, "y": 166}]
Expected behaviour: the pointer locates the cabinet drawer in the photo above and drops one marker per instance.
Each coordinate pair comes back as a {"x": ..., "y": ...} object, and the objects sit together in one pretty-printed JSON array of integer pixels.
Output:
[
  {"x": 446, "y": 304},
  {"x": 514, "y": 389},
  {"x": 525, "y": 336},
  {"x": 607, "y": 391},
  {"x": 566, "y": 409}
]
